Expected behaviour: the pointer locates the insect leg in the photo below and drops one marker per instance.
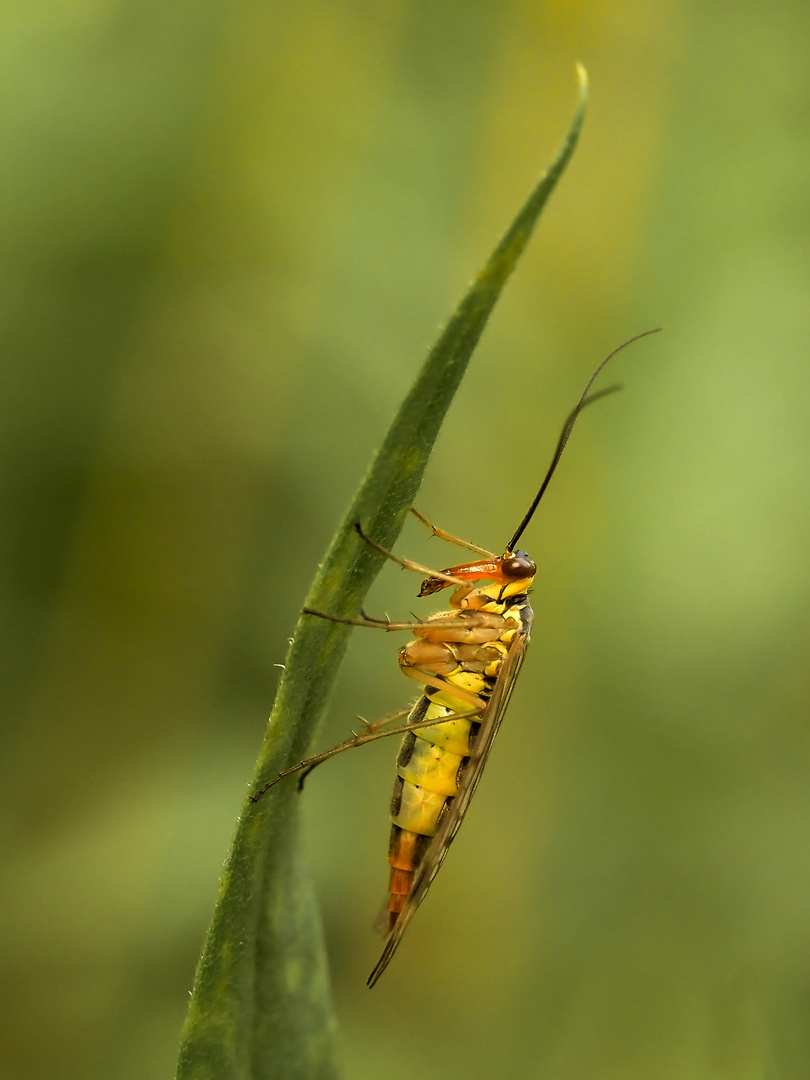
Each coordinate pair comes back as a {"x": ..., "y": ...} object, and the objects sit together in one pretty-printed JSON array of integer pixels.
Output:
[
  {"x": 407, "y": 564},
  {"x": 438, "y": 682},
  {"x": 373, "y": 733},
  {"x": 449, "y": 536},
  {"x": 371, "y": 728},
  {"x": 385, "y": 624}
]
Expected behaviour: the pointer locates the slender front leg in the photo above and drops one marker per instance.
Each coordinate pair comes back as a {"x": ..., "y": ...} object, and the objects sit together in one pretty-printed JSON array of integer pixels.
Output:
[
  {"x": 407, "y": 564},
  {"x": 449, "y": 536}
]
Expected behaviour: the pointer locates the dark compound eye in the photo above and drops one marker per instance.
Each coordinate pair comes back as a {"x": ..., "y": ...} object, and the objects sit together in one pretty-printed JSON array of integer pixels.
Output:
[{"x": 518, "y": 566}]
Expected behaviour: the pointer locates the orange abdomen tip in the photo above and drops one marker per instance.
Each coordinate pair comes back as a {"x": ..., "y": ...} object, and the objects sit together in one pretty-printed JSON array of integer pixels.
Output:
[
  {"x": 402, "y": 851},
  {"x": 400, "y": 882}
]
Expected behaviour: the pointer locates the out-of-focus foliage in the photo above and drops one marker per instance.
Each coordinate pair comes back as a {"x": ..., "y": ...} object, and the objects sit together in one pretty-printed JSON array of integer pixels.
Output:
[{"x": 227, "y": 235}]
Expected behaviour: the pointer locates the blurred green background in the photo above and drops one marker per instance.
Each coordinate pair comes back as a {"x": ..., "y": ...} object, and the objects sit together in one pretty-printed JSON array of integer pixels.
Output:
[{"x": 228, "y": 234}]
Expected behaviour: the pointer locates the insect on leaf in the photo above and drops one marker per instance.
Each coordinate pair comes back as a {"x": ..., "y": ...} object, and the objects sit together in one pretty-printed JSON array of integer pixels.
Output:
[{"x": 260, "y": 1005}]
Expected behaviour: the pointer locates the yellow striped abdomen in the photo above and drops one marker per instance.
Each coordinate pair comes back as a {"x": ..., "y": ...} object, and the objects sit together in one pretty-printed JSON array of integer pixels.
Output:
[{"x": 464, "y": 656}]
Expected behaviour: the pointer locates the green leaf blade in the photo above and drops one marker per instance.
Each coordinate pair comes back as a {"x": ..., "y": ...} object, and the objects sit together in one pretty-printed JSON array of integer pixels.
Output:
[{"x": 260, "y": 1007}]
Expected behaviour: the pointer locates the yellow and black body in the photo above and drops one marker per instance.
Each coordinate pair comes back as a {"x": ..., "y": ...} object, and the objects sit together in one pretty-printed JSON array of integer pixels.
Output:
[{"x": 468, "y": 659}]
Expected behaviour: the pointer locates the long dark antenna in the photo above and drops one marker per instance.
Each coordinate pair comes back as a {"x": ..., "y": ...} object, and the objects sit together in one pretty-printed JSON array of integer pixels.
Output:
[{"x": 568, "y": 427}]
